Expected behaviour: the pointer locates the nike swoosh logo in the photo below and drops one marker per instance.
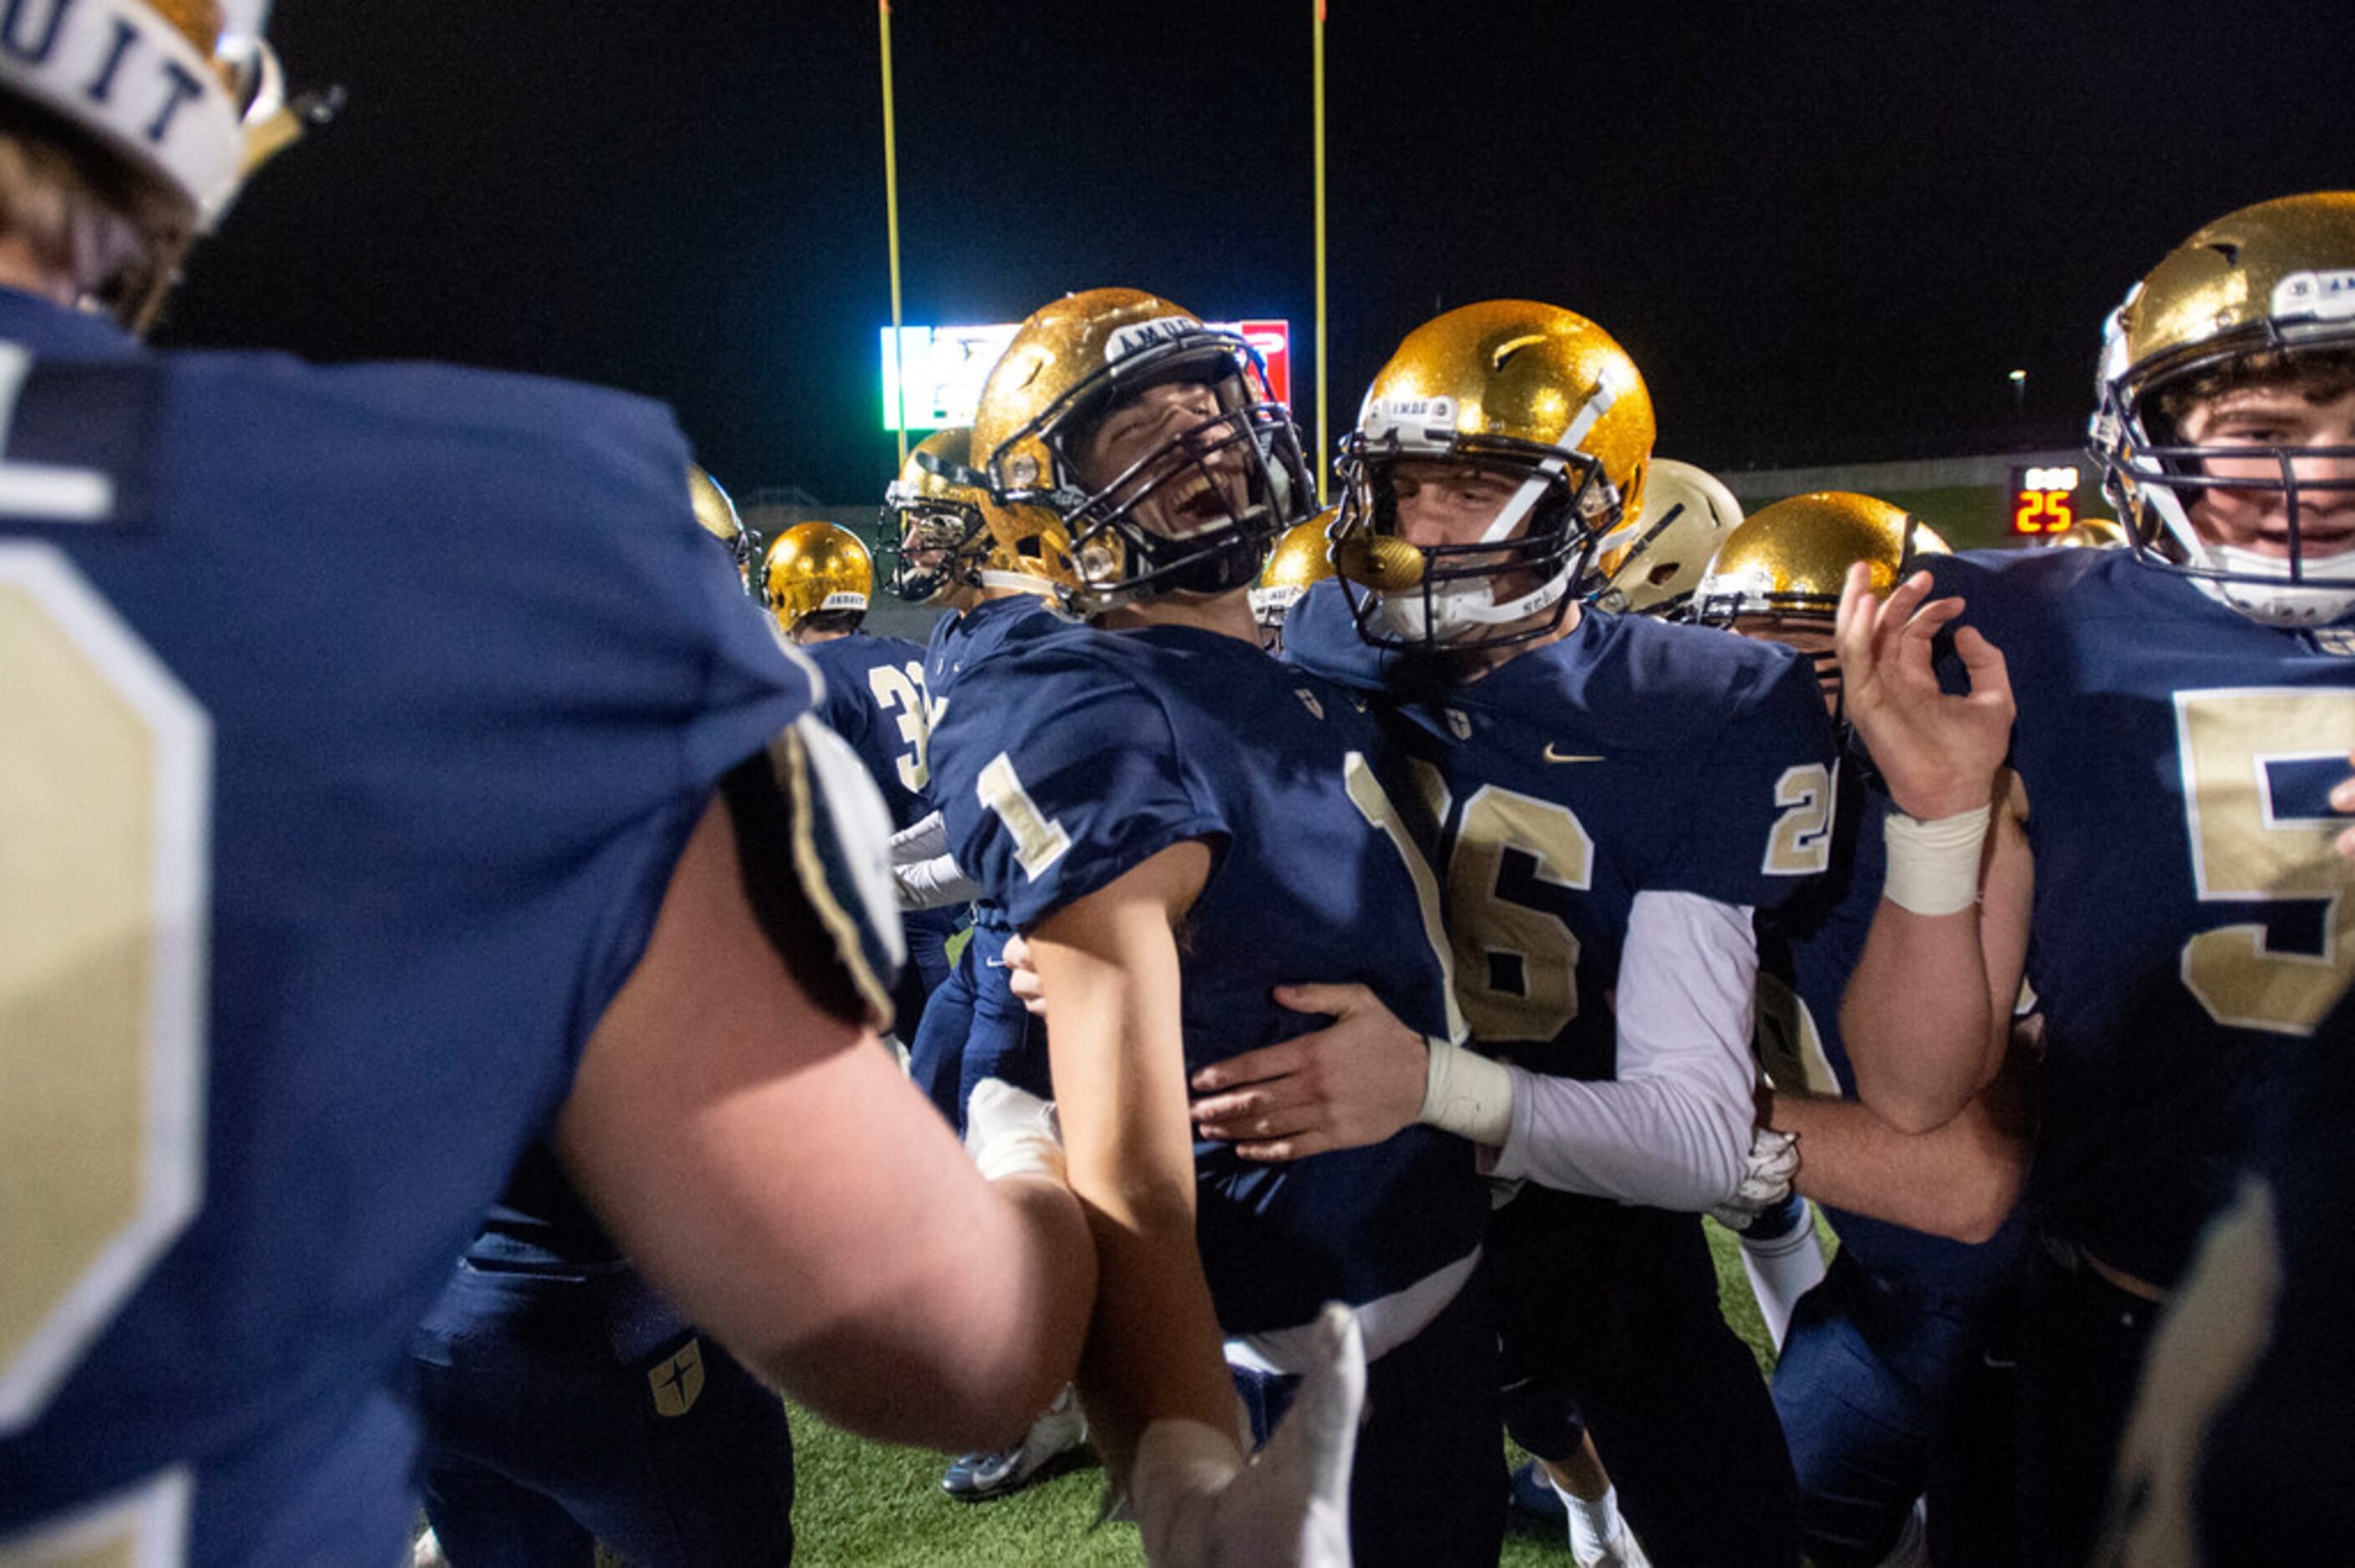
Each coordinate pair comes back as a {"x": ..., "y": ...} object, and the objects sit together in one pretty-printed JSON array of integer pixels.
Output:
[{"x": 1553, "y": 756}]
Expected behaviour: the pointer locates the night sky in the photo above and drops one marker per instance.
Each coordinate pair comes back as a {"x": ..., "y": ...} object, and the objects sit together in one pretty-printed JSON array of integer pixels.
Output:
[{"x": 1824, "y": 232}]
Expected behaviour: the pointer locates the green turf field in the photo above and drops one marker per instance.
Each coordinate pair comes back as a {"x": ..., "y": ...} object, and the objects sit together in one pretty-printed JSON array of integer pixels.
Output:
[{"x": 859, "y": 1503}]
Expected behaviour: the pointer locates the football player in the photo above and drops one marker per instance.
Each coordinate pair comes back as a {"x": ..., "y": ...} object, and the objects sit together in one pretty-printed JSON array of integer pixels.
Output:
[
  {"x": 820, "y": 578},
  {"x": 333, "y": 814},
  {"x": 994, "y": 571},
  {"x": 1618, "y": 793},
  {"x": 1688, "y": 511},
  {"x": 1177, "y": 823},
  {"x": 1878, "y": 1384},
  {"x": 2134, "y": 789}
]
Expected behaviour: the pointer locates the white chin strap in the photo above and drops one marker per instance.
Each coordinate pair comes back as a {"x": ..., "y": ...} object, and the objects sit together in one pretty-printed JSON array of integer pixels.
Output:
[
  {"x": 1459, "y": 608},
  {"x": 1022, "y": 580},
  {"x": 2313, "y": 601}
]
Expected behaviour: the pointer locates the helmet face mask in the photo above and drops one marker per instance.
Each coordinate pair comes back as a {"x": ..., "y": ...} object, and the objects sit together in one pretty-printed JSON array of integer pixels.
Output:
[
  {"x": 927, "y": 547},
  {"x": 2257, "y": 306},
  {"x": 1509, "y": 586},
  {"x": 1147, "y": 437}
]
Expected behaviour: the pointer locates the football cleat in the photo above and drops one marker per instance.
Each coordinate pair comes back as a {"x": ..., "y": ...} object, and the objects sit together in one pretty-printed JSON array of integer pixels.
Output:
[
  {"x": 977, "y": 1477},
  {"x": 1219, "y": 474},
  {"x": 1687, "y": 515},
  {"x": 1513, "y": 390},
  {"x": 2264, "y": 296}
]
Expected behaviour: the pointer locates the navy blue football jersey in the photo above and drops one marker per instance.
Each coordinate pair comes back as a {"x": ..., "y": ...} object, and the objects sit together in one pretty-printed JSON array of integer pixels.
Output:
[
  {"x": 1129, "y": 742},
  {"x": 874, "y": 699},
  {"x": 2191, "y": 922},
  {"x": 1806, "y": 950},
  {"x": 960, "y": 639},
  {"x": 358, "y": 716},
  {"x": 1629, "y": 756}
]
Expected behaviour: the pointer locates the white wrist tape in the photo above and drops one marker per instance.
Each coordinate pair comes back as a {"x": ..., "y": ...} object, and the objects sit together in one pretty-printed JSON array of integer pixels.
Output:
[
  {"x": 1933, "y": 867},
  {"x": 1466, "y": 1093}
]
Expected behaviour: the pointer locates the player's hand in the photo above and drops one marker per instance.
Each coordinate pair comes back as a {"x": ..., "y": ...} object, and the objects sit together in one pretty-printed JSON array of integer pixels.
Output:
[
  {"x": 2343, "y": 801},
  {"x": 1022, "y": 976},
  {"x": 1938, "y": 753},
  {"x": 1353, "y": 1082},
  {"x": 1289, "y": 1507},
  {"x": 1012, "y": 1132},
  {"x": 1766, "y": 1177}
]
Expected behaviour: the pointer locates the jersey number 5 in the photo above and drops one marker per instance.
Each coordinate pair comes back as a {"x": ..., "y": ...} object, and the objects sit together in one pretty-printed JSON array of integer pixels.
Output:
[
  {"x": 105, "y": 783},
  {"x": 2246, "y": 849}
]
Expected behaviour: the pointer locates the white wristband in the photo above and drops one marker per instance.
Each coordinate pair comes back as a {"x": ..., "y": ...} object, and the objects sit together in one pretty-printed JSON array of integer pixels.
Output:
[
  {"x": 1933, "y": 867},
  {"x": 1466, "y": 1093}
]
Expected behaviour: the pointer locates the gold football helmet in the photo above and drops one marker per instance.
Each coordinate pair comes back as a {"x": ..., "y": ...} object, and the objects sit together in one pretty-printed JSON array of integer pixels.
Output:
[
  {"x": 1688, "y": 511},
  {"x": 931, "y": 531},
  {"x": 718, "y": 516},
  {"x": 1190, "y": 512},
  {"x": 1301, "y": 559},
  {"x": 816, "y": 567},
  {"x": 942, "y": 529},
  {"x": 1791, "y": 560},
  {"x": 1528, "y": 390},
  {"x": 2244, "y": 302},
  {"x": 2089, "y": 534}
]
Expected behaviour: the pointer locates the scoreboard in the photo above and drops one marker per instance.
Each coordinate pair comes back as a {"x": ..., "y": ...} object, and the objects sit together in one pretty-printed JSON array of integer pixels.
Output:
[{"x": 2043, "y": 500}]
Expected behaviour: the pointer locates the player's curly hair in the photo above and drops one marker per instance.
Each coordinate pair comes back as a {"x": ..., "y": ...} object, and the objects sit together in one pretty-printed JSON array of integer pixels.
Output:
[
  {"x": 2318, "y": 375},
  {"x": 93, "y": 222}
]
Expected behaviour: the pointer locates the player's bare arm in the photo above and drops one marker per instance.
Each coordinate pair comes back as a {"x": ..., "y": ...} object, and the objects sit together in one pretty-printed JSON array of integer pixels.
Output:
[
  {"x": 748, "y": 1147},
  {"x": 1926, "y": 1015},
  {"x": 1959, "y": 1181},
  {"x": 1110, "y": 962}
]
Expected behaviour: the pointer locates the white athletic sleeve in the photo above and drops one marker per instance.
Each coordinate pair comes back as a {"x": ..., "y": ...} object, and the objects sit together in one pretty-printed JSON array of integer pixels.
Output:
[
  {"x": 921, "y": 840},
  {"x": 926, "y": 876},
  {"x": 1672, "y": 1130}
]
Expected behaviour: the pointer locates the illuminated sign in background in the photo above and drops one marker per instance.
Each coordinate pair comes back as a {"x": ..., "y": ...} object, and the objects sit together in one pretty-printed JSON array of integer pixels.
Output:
[
  {"x": 2043, "y": 500},
  {"x": 947, "y": 365}
]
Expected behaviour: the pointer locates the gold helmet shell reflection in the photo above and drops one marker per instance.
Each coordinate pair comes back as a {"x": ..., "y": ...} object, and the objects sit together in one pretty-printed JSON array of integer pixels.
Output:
[
  {"x": 1792, "y": 559},
  {"x": 813, "y": 566},
  {"x": 1687, "y": 513},
  {"x": 1301, "y": 559},
  {"x": 2089, "y": 534}
]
